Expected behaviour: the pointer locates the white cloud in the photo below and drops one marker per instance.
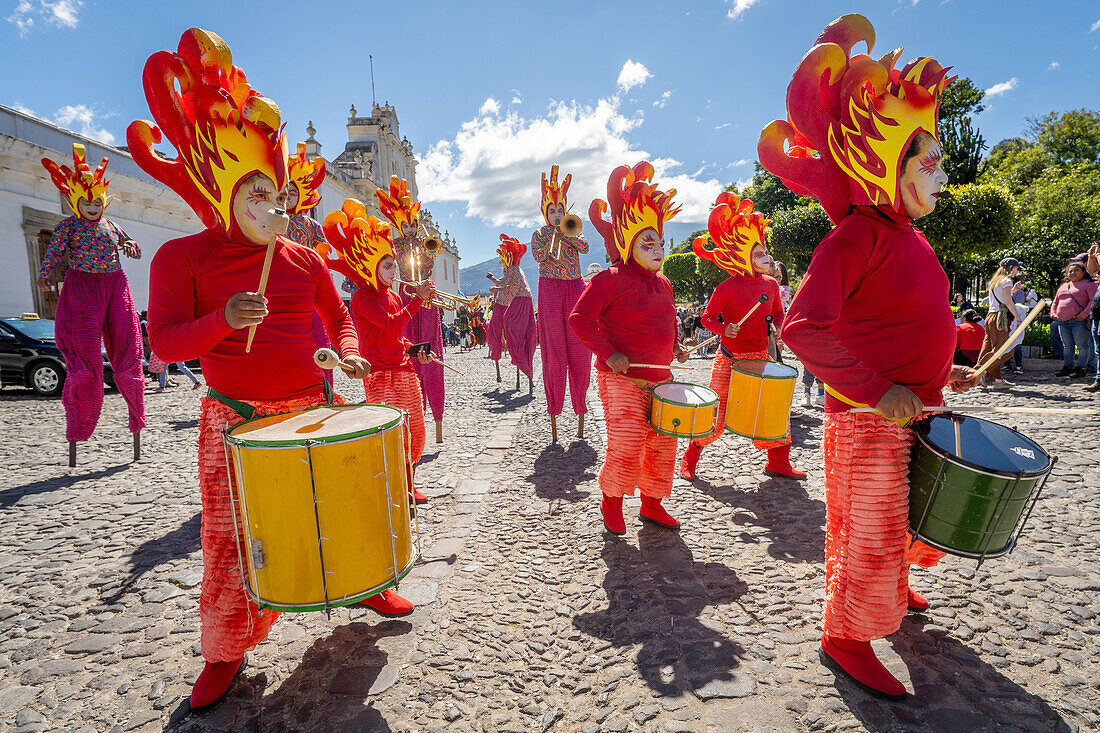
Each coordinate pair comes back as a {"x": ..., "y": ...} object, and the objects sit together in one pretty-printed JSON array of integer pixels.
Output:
[
  {"x": 663, "y": 101},
  {"x": 739, "y": 163},
  {"x": 516, "y": 97},
  {"x": 1004, "y": 86},
  {"x": 1054, "y": 66},
  {"x": 633, "y": 74},
  {"x": 724, "y": 124},
  {"x": 25, "y": 110},
  {"x": 1095, "y": 27},
  {"x": 82, "y": 120},
  {"x": 495, "y": 162},
  {"x": 739, "y": 7},
  {"x": 61, "y": 13},
  {"x": 490, "y": 107}
]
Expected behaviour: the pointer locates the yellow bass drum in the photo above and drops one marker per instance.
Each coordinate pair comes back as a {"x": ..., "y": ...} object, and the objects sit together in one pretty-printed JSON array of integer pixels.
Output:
[{"x": 759, "y": 404}]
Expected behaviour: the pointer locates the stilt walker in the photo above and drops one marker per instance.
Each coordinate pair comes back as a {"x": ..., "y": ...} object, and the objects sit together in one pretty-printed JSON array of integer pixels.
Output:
[
  {"x": 415, "y": 263},
  {"x": 366, "y": 257},
  {"x": 862, "y": 136},
  {"x": 560, "y": 285},
  {"x": 231, "y": 169},
  {"x": 95, "y": 309},
  {"x": 519, "y": 320},
  {"x": 627, "y": 316},
  {"x": 302, "y": 195},
  {"x": 494, "y": 332},
  {"x": 739, "y": 248}
]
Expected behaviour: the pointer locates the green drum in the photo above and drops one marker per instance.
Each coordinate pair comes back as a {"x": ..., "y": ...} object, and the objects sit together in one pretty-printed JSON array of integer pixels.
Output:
[{"x": 974, "y": 504}]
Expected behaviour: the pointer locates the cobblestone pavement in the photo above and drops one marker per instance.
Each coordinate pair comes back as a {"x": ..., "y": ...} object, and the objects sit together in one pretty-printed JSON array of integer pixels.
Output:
[{"x": 530, "y": 618}]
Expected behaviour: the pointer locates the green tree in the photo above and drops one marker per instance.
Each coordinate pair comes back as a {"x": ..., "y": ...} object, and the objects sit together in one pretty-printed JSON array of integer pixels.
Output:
[
  {"x": 710, "y": 275},
  {"x": 680, "y": 269},
  {"x": 967, "y": 228},
  {"x": 1069, "y": 138},
  {"x": 961, "y": 99},
  {"x": 685, "y": 245},
  {"x": 767, "y": 192},
  {"x": 794, "y": 234},
  {"x": 962, "y": 143},
  {"x": 1015, "y": 163}
]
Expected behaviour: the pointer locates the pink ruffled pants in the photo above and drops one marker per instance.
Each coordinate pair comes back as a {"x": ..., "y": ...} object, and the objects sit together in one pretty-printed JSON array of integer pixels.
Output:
[
  {"x": 562, "y": 352},
  {"x": 521, "y": 334}
]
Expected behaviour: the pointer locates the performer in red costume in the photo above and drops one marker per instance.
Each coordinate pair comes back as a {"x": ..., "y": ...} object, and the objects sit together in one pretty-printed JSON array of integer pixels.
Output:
[
  {"x": 738, "y": 235},
  {"x": 519, "y": 319},
  {"x": 876, "y": 169},
  {"x": 231, "y": 169},
  {"x": 560, "y": 284},
  {"x": 95, "y": 307},
  {"x": 302, "y": 195},
  {"x": 626, "y": 316},
  {"x": 415, "y": 264},
  {"x": 366, "y": 258}
]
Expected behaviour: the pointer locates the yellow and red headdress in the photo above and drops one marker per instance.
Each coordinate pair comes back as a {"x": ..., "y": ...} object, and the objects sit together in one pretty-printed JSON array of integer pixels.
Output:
[
  {"x": 636, "y": 205},
  {"x": 850, "y": 120},
  {"x": 397, "y": 205},
  {"x": 552, "y": 193},
  {"x": 510, "y": 251},
  {"x": 80, "y": 182},
  {"x": 360, "y": 242},
  {"x": 223, "y": 129},
  {"x": 306, "y": 176},
  {"x": 734, "y": 229}
]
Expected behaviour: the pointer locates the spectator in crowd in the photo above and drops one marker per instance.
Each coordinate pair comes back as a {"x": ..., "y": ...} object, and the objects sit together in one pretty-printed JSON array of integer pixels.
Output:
[
  {"x": 960, "y": 303},
  {"x": 1000, "y": 319},
  {"x": 1095, "y": 386},
  {"x": 969, "y": 337},
  {"x": 1070, "y": 312}
]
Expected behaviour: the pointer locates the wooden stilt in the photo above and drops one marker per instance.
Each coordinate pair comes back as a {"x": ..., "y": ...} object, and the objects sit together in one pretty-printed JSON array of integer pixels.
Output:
[
  {"x": 580, "y": 426},
  {"x": 498, "y": 370},
  {"x": 517, "y": 379},
  {"x": 553, "y": 428},
  {"x": 530, "y": 386},
  {"x": 438, "y": 431},
  {"x": 72, "y": 454},
  {"x": 137, "y": 446}
]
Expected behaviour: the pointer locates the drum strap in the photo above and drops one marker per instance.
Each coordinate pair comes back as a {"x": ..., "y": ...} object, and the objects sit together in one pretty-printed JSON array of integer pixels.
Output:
[
  {"x": 330, "y": 394},
  {"x": 727, "y": 352},
  {"x": 243, "y": 409}
]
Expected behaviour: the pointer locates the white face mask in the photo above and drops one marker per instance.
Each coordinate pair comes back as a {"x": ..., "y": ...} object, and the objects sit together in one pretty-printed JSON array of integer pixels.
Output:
[
  {"x": 259, "y": 209},
  {"x": 649, "y": 250},
  {"x": 923, "y": 179}
]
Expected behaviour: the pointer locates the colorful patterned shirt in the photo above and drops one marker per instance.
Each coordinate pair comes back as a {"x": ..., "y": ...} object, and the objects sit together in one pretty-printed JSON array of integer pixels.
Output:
[
  {"x": 514, "y": 285},
  {"x": 93, "y": 246},
  {"x": 305, "y": 230},
  {"x": 564, "y": 267},
  {"x": 348, "y": 286},
  {"x": 403, "y": 248}
]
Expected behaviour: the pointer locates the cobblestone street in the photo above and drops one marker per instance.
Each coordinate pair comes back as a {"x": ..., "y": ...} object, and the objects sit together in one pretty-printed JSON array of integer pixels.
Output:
[{"x": 530, "y": 617}]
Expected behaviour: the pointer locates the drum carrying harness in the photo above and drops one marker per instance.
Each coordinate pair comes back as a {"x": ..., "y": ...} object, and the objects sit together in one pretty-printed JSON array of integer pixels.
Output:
[{"x": 246, "y": 410}]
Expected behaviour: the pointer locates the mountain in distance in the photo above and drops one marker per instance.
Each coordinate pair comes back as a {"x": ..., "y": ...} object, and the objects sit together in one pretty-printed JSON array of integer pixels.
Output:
[{"x": 472, "y": 279}]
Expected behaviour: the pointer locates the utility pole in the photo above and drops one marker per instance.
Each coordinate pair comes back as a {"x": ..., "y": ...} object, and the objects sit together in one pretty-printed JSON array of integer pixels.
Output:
[{"x": 373, "y": 98}]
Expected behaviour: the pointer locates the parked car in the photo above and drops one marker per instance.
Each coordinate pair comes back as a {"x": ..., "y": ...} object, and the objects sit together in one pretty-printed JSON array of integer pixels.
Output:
[{"x": 29, "y": 356}]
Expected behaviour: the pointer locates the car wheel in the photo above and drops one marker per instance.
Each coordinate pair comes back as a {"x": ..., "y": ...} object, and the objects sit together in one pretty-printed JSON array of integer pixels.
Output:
[{"x": 47, "y": 379}]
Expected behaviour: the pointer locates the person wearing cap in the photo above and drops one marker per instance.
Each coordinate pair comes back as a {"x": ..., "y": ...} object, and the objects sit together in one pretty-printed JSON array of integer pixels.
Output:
[{"x": 1000, "y": 320}]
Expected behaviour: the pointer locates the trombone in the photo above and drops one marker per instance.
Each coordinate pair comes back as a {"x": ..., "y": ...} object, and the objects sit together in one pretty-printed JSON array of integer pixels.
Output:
[
  {"x": 446, "y": 301},
  {"x": 570, "y": 226}
]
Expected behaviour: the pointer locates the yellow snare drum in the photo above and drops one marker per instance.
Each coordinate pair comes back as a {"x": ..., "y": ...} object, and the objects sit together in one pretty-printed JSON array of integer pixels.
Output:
[
  {"x": 683, "y": 410},
  {"x": 323, "y": 500},
  {"x": 759, "y": 405}
]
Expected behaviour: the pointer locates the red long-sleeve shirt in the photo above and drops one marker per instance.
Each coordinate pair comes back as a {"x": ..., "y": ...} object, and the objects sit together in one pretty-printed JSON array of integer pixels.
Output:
[
  {"x": 732, "y": 299},
  {"x": 190, "y": 281},
  {"x": 380, "y": 319},
  {"x": 629, "y": 310},
  {"x": 872, "y": 312}
]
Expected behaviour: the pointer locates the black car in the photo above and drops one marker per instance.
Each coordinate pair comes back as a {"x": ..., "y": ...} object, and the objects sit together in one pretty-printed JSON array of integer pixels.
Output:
[{"x": 29, "y": 356}]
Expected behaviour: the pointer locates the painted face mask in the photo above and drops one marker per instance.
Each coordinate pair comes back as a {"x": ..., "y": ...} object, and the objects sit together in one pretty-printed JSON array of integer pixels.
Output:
[
  {"x": 305, "y": 177},
  {"x": 358, "y": 241},
  {"x": 397, "y": 206},
  {"x": 735, "y": 229},
  {"x": 554, "y": 194},
  {"x": 510, "y": 251},
  {"x": 80, "y": 182},
  {"x": 635, "y": 205}
]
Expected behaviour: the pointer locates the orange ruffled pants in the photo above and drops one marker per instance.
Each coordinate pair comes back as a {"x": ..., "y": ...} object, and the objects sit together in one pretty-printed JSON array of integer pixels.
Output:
[
  {"x": 401, "y": 389},
  {"x": 231, "y": 623},
  {"x": 637, "y": 455},
  {"x": 720, "y": 374},
  {"x": 867, "y": 544}
]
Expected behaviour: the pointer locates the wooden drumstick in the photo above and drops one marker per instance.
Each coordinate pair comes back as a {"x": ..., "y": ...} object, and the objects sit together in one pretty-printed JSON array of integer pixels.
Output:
[
  {"x": 273, "y": 214},
  {"x": 702, "y": 345},
  {"x": 658, "y": 366},
  {"x": 445, "y": 365},
  {"x": 1011, "y": 337},
  {"x": 763, "y": 299},
  {"x": 990, "y": 408},
  {"x": 327, "y": 359},
  {"x": 958, "y": 439}
]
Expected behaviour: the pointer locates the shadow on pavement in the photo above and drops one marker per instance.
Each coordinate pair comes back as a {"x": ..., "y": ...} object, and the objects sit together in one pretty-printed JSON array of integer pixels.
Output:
[
  {"x": 655, "y": 594},
  {"x": 508, "y": 400},
  {"x": 180, "y": 542},
  {"x": 8, "y": 497},
  {"x": 559, "y": 472}
]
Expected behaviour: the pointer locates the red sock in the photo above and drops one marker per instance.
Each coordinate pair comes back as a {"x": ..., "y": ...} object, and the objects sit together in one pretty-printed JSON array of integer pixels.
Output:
[
  {"x": 612, "y": 509},
  {"x": 779, "y": 463},
  {"x": 857, "y": 659},
  {"x": 388, "y": 603},
  {"x": 213, "y": 683},
  {"x": 654, "y": 512},
  {"x": 915, "y": 601},
  {"x": 690, "y": 459}
]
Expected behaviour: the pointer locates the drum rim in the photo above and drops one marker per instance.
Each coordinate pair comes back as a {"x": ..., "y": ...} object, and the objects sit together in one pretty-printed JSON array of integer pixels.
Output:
[
  {"x": 792, "y": 375},
  {"x": 665, "y": 400},
  {"x": 964, "y": 553},
  {"x": 685, "y": 435},
  {"x": 301, "y": 443},
  {"x": 984, "y": 470},
  {"x": 348, "y": 601},
  {"x": 728, "y": 429}
]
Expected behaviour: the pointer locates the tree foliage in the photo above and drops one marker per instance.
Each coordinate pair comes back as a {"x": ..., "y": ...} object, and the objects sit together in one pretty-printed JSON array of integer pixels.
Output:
[
  {"x": 685, "y": 245},
  {"x": 795, "y": 233},
  {"x": 768, "y": 193},
  {"x": 680, "y": 269},
  {"x": 963, "y": 144},
  {"x": 1070, "y": 138},
  {"x": 975, "y": 221}
]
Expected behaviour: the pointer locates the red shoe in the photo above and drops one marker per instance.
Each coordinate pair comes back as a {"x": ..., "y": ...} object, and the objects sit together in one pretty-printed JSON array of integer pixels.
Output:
[
  {"x": 654, "y": 512},
  {"x": 915, "y": 601},
  {"x": 779, "y": 464},
  {"x": 389, "y": 604},
  {"x": 612, "y": 510},
  {"x": 419, "y": 497},
  {"x": 213, "y": 683},
  {"x": 857, "y": 660},
  {"x": 691, "y": 457}
]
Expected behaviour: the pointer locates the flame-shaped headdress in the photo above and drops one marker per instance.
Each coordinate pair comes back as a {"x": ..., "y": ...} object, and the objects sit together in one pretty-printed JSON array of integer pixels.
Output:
[
  {"x": 552, "y": 193},
  {"x": 850, "y": 120},
  {"x": 306, "y": 176},
  {"x": 510, "y": 251},
  {"x": 224, "y": 130},
  {"x": 359, "y": 241},
  {"x": 397, "y": 205},
  {"x": 79, "y": 182},
  {"x": 636, "y": 205},
  {"x": 735, "y": 229}
]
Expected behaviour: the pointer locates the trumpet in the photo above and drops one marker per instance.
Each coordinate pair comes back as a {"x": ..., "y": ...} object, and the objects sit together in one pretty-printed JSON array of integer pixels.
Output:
[
  {"x": 570, "y": 226},
  {"x": 432, "y": 246},
  {"x": 446, "y": 301}
]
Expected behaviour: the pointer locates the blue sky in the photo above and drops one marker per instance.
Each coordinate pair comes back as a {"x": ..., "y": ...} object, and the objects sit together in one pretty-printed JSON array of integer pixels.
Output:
[{"x": 490, "y": 93}]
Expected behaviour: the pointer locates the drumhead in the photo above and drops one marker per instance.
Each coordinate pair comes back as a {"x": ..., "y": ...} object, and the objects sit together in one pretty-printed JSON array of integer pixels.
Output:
[
  {"x": 685, "y": 393},
  {"x": 986, "y": 446},
  {"x": 765, "y": 369},
  {"x": 324, "y": 424}
]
